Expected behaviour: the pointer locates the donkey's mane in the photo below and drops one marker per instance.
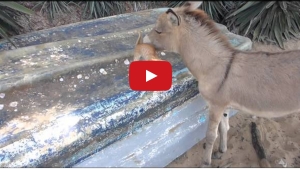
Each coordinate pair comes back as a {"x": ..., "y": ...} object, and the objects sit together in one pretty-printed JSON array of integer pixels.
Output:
[{"x": 206, "y": 21}]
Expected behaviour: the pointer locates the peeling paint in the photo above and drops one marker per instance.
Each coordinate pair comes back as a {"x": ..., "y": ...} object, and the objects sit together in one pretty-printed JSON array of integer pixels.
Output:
[
  {"x": 126, "y": 62},
  {"x": 2, "y": 95},
  {"x": 13, "y": 104}
]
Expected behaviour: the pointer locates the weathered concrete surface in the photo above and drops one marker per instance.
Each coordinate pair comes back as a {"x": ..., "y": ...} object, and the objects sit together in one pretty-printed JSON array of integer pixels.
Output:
[
  {"x": 90, "y": 28},
  {"x": 158, "y": 143},
  {"x": 57, "y": 108}
]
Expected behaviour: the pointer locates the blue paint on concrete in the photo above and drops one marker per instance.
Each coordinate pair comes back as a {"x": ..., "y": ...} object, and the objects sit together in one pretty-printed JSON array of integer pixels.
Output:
[
  {"x": 174, "y": 74},
  {"x": 202, "y": 118},
  {"x": 175, "y": 113}
]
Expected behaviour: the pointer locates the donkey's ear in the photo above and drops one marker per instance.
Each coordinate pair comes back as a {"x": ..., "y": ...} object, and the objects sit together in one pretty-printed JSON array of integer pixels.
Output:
[
  {"x": 192, "y": 5},
  {"x": 173, "y": 17}
]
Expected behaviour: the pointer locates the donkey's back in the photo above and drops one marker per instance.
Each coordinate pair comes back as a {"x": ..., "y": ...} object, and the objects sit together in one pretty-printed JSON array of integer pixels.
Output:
[{"x": 265, "y": 84}]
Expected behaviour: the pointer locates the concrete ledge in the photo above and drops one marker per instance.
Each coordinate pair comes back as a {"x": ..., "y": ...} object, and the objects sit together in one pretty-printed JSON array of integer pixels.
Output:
[{"x": 90, "y": 28}]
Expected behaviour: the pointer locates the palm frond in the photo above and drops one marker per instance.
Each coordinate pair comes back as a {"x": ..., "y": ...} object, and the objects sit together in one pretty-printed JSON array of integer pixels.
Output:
[
  {"x": 266, "y": 21},
  {"x": 8, "y": 25},
  {"x": 215, "y": 9},
  {"x": 52, "y": 8},
  {"x": 97, "y": 9}
]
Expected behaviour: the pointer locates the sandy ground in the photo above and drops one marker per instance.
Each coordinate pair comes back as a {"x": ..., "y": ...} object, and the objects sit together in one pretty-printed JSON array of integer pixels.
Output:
[{"x": 280, "y": 137}]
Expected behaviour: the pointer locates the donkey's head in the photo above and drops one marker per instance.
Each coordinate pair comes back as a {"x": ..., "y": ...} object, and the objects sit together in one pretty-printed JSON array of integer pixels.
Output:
[{"x": 169, "y": 26}]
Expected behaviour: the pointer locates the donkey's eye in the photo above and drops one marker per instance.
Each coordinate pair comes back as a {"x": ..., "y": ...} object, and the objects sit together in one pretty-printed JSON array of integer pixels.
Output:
[{"x": 158, "y": 32}]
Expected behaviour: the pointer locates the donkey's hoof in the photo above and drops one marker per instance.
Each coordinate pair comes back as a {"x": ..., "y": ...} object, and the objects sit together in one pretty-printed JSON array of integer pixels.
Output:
[
  {"x": 205, "y": 165},
  {"x": 217, "y": 155}
]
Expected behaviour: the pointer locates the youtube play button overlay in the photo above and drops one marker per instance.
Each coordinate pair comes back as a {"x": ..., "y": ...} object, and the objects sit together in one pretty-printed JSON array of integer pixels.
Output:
[{"x": 150, "y": 75}]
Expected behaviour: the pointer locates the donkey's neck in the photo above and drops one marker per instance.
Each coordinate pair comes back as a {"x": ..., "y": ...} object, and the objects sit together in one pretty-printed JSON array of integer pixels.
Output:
[{"x": 203, "y": 52}]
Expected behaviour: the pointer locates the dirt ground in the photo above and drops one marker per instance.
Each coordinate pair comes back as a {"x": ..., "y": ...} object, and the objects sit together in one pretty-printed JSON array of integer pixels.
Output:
[
  {"x": 280, "y": 137},
  {"x": 39, "y": 20}
]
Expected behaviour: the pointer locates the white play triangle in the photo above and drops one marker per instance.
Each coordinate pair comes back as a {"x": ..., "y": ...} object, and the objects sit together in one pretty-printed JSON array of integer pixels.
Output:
[{"x": 150, "y": 75}]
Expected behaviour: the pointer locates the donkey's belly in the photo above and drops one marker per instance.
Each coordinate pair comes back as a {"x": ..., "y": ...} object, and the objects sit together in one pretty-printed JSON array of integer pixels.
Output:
[
  {"x": 266, "y": 99},
  {"x": 268, "y": 111}
]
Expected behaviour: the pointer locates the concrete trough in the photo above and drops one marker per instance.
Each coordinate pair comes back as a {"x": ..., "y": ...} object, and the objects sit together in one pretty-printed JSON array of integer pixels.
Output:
[{"x": 65, "y": 99}]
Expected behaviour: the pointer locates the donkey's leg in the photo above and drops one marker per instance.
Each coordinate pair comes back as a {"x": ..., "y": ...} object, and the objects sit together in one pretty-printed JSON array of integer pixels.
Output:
[
  {"x": 223, "y": 128},
  {"x": 223, "y": 132},
  {"x": 215, "y": 116}
]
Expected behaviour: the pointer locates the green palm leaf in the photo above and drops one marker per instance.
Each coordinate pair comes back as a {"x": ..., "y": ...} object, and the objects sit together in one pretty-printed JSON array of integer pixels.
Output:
[
  {"x": 270, "y": 21},
  {"x": 17, "y": 7},
  {"x": 8, "y": 26}
]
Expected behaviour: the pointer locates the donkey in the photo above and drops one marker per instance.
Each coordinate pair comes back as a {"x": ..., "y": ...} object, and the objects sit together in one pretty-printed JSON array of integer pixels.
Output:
[{"x": 260, "y": 83}]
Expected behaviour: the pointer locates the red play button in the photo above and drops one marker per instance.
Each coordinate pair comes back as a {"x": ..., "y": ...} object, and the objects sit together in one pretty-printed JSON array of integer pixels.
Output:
[{"x": 150, "y": 75}]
